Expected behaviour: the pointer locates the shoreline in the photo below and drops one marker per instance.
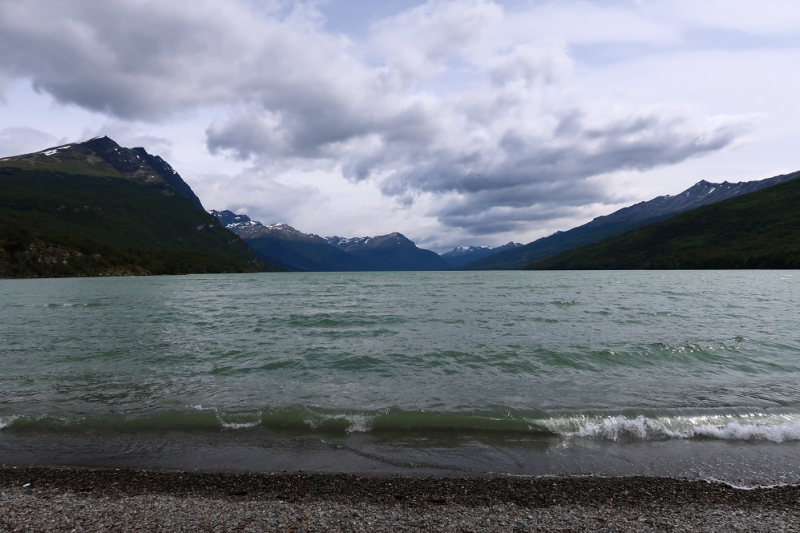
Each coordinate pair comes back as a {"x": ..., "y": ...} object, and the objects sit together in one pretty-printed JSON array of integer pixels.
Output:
[
  {"x": 474, "y": 489},
  {"x": 116, "y": 500}
]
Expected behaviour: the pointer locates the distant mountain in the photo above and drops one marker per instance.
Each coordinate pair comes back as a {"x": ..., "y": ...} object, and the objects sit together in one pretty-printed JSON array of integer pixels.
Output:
[
  {"x": 626, "y": 219},
  {"x": 388, "y": 252},
  {"x": 759, "y": 229},
  {"x": 463, "y": 255},
  {"x": 348, "y": 243},
  {"x": 284, "y": 245},
  {"x": 233, "y": 221},
  {"x": 96, "y": 208}
]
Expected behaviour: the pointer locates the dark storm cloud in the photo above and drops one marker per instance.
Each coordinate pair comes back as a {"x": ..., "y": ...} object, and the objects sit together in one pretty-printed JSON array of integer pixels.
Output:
[{"x": 524, "y": 168}]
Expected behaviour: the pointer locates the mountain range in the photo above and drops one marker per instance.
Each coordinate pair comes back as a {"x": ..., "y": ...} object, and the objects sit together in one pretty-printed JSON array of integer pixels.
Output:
[
  {"x": 626, "y": 219},
  {"x": 760, "y": 229},
  {"x": 283, "y": 245},
  {"x": 464, "y": 255},
  {"x": 96, "y": 208}
]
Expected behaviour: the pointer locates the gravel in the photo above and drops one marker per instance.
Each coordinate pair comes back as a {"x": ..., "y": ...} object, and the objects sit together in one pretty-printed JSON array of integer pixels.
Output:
[{"x": 56, "y": 499}]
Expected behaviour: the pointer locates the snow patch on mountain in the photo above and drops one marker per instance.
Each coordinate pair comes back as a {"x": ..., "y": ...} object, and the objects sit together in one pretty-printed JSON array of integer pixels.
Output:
[
  {"x": 462, "y": 250},
  {"x": 53, "y": 151},
  {"x": 233, "y": 221},
  {"x": 348, "y": 242},
  {"x": 463, "y": 255}
]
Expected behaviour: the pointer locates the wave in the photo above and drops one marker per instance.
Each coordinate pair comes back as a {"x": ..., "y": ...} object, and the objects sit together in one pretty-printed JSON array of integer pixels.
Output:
[
  {"x": 298, "y": 419},
  {"x": 399, "y": 423},
  {"x": 750, "y": 427}
]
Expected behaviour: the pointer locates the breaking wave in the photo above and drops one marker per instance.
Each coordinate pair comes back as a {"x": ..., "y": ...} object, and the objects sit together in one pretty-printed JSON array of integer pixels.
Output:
[
  {"x": 752, "y": 427},
  {"x": 399, "y": 423}
]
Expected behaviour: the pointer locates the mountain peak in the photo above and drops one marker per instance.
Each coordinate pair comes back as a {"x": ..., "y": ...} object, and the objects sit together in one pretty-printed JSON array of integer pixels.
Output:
[
  {"x": 628, "y": 218},
  {"x": 100, "y": 144},
  {"x": 282, "y": 244},
  {"x": 142, "y": 167},
  {"x": 349, "y": 244},
  {"x": 463, "y": 255},
  {"x": 243, "y": 226},
  {"x": 231, "y": 220},
  {"x": 102, "y": 156}
]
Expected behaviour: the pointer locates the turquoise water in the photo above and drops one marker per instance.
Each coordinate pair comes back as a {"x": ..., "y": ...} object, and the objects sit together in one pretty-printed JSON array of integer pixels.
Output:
[{"x": 484, "y": 371}]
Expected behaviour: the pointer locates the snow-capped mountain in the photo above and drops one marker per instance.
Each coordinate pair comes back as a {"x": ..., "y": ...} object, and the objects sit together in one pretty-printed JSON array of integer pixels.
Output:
[
  {"x": 96, "y": 208},
  {"x": 460, "y": 250},
  {"x": 628, "y": 218},
  {"x": 233, "y": 221},
  {"x": 348, "y": 243},
  {"x": 463, "y": 255},
  {"x": 352, "y": 244},
  {"x": 388, "y": 252},
  {"x": 289, "y": 247},
  {"x": 243, "y": 224},
  {"x": 102, "y": 156}
]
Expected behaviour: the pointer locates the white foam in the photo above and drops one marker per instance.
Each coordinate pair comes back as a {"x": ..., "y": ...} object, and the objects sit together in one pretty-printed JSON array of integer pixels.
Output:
[
  {"x": 788, "y": 431},
  {"x": 230, "y": 425},
  {"x": 242, "y": 425},
  {"x": 616, "y": 427},
  {"x": 739, "y": 486},
  {"x": 359, "y": 423},
  {"x": 7, "y": 421},
  {"x": 755, "y": 427}
]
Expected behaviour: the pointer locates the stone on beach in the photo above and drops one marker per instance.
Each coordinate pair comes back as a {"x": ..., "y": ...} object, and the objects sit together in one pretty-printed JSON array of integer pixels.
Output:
[{"x": 60, "y": 499}]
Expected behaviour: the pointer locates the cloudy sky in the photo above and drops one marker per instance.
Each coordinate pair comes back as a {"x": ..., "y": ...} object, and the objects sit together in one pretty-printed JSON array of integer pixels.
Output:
[{"x": 453, "y": 122}]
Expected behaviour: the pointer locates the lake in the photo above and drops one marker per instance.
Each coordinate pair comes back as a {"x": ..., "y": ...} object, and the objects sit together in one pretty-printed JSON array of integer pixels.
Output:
[{"x": 692, "y": 374}]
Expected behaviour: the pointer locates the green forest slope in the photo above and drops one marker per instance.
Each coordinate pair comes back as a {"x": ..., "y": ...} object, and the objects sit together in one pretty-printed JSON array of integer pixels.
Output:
[
  {"x": 65, "y": 223},
  {"x": 756, "y": 230}
]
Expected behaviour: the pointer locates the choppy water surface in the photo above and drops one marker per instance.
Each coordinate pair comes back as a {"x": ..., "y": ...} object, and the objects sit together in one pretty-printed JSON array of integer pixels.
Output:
[{"x": 665, "y": 373}]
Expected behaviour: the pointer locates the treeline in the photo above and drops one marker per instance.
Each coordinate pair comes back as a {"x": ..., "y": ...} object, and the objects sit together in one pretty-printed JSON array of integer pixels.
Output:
[
  {"x": 25, "y": 254},
  {"x": 756, "y": 230},
  {"x": 56, "y": 224}
]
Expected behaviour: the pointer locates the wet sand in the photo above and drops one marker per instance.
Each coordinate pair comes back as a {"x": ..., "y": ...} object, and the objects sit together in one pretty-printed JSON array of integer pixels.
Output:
[{"x": 66, "y": 499}]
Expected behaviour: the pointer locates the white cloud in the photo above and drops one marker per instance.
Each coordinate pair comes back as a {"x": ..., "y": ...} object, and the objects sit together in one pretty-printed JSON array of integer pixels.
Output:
[
  {"x": 473, "y": 117},
  {"x": 766, "y": 17},
  {"x": 127, "y": 134},
  {"x": 4, "y": 83},
  {"x": 135, "y": 59},
  {"x": 24, "y": 140},
  {"x": 259, "y": 194},
  {"x": 587, "y": 21},
  {"x": 516, "y": 136},
  {"x": 420, "y": 42}
]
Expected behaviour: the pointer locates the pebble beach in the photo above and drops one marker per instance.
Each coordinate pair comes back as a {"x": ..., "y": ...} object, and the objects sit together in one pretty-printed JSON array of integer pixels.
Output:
[{"x": 75, "y": 499}]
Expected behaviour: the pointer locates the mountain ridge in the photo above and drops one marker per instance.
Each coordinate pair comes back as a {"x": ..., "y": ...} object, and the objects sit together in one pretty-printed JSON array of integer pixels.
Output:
[
  {"x": 96, "y": 208},
  {"x": 759, "y": 229},
  {"x": 623, "y": 220},
  {"x": 294, "y": 249},
  {"x": 464, "y": 255},
  {"x": 104, "y": 157}
]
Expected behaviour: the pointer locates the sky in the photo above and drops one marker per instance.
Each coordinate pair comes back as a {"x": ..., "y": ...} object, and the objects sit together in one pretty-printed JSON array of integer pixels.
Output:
[{"x": 462, "y": 122}]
